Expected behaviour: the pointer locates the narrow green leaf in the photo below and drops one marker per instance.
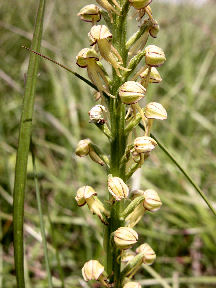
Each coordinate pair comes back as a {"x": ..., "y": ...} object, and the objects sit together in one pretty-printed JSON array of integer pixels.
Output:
[
  {"x": 191, "y": 181},
  {"x": 23, "y": 149},
  {"x": 42, "y": 228}
]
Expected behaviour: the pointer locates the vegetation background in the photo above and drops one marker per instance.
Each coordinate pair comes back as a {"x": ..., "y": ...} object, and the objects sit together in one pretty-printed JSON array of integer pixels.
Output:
[{"x": 183, "y": 232}]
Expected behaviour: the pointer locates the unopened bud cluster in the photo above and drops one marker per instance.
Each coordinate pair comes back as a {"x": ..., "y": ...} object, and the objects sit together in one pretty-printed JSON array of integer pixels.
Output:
[{"x": 126, "y": 87}]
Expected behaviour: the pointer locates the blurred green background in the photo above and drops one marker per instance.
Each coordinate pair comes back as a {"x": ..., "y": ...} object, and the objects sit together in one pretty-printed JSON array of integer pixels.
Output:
[{"x": 182, "y": 232}]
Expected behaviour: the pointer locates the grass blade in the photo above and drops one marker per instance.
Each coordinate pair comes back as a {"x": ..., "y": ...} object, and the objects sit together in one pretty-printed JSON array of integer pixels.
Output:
[
  {"x": 42, "y": 228},
  {"x": 23, "y": 149},
  {"x": 197, "y": 188}
]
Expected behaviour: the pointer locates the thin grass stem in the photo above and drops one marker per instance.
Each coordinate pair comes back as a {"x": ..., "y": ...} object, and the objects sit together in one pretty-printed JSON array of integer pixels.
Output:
[
  {"x": 42, "y": 227},
  {"x": 23, "y": 149},
  {"x": 197, "y": 188}
]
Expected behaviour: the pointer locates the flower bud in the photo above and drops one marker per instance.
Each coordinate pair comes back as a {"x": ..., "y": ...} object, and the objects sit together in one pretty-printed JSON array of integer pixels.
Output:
[
  {"x": 99, "y": 32},
  {"x": 90, "y": 13},
  {"x": 85, "y": 55},
  {"x": 83, "y": 147},
  {"x": 92, "y": 270},
  {"x": 117, "y": 188},
  {"x": 140, "y": 4},
  {"x": 155, "y": 28},
  {"x": 152, "y": 200},
  {"x": 83, "y": 193},
  {"x": 154, "y": 110},
  {"x": 125, "y": 237},
  {"x": 96, "y": 114},
  {"x": 148, "y": 253},
  {"x": 154, "y": 76},
  {"x": 154, "y": 56},
  {"x": 131, "y": 92},
  {"x": 144, "y": 144},
  {"x": 132, "y": 285}
]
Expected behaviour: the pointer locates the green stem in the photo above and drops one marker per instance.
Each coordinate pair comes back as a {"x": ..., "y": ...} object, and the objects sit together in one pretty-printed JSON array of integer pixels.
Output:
[
  {"x": 23, "y": 149},
  {"x": 42, "y": 228},
  {"x": 117, "y": 145}
]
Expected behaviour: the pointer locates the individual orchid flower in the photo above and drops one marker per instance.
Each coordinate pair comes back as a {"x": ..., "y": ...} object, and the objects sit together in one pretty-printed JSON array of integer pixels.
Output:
[
  {"x": 101, "y": 36},
  {"x": 86, "y": 194},
  {"x": 90, "y": 13},
  {"x": 154, "y": 110},
  {"x": 87, "y": 58},
  {"x": 148, "y": 75}
]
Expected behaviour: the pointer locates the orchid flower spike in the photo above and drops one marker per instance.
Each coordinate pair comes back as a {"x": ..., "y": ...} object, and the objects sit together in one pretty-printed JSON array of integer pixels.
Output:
[
  {"x": 101, "y": 36},
  {"x": 87, "y": 58}
]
